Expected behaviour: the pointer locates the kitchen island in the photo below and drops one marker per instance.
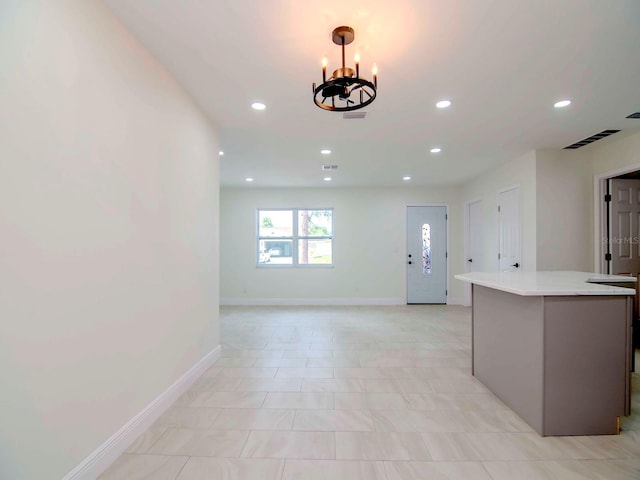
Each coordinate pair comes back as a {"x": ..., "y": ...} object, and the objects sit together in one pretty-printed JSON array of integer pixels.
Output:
[{"x": 555, "y": 347}]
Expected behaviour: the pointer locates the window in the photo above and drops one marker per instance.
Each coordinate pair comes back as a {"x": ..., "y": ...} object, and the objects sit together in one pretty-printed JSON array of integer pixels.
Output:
[
  {"x": 426, "y": 249},
  {"x": 295, "y": 237}
]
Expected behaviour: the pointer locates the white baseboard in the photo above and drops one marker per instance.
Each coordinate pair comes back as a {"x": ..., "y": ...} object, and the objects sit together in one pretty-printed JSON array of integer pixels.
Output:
[
  {"x": 335, "y": 301},
  {"x": 455, "y": 301},
  {"x": 103, "y": 456}
]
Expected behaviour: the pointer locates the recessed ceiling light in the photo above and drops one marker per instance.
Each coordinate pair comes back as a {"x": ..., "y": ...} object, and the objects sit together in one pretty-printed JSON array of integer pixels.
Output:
[
  {"x": 406, "y": 178},
  {"x": 258, "y": 106},
  {"x": 443, "y": 104},
  {"x": 248, "y": 179},
  {"x": 562, "y": 103},
  {"x": 327, "y": 179},
  {"x": 326, "y": 151},
  {"x": 435, "y": 150},
  {"x": 221, "y": 153}
]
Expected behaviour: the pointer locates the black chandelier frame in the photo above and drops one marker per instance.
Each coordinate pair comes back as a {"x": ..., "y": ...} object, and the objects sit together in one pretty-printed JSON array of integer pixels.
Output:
[{"x": 345, "y": 81}]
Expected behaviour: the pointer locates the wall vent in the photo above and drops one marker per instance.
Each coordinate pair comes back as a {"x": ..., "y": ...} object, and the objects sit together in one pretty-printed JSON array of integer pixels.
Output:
[
  {"x": 591, "y": 139},
  {"x": 634, "y": 115},
  {"x": 327, "y": 168},
  {"x": 353, "y": 115}
]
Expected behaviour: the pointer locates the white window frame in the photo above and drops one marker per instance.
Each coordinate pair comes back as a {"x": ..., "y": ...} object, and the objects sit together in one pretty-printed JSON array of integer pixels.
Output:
[{"x": 294, "y": 239}]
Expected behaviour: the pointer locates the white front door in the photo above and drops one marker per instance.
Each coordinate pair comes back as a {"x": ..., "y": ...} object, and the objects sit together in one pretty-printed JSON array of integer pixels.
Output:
[
  {"x": 509, "y": 230},
  {"x": 474, "y": 244},
  {"x": 426, "y": 254},
  {"x": 624, "y": 228}
]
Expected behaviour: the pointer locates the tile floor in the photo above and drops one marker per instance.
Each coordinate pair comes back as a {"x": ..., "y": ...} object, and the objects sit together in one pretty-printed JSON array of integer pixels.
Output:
[{"x": 358, "y": 393}]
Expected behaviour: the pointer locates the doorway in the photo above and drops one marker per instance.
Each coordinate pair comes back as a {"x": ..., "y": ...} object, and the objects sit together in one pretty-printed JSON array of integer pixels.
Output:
[
  {"x": 617, "y": 230},
  {"x": 509, "y": 236},
  {"x": 473, "y": 243},
  {"x": 427, "y": 254},
  {"x": 602, "y": 214},
  {"x": 623, "y": 225}
]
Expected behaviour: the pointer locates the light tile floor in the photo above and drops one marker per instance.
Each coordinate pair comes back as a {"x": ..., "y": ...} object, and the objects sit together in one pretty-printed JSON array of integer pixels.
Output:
[{"x": 358, "y": 393}]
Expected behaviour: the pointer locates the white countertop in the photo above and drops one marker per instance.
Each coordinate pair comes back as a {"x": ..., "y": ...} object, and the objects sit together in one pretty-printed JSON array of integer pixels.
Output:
[{"x": 550, "y": 283}]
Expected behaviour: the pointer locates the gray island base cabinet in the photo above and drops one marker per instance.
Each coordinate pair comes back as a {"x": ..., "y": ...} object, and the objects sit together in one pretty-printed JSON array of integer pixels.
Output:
[{"x": 560, "y": 361}]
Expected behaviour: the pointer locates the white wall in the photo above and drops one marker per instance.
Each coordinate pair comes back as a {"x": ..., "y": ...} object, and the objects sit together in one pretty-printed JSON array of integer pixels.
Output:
[
  {"x": 369, "y": 245},
  {"x": 521, "y": 172},
  {"x": 108, "y": 233},
  {"x": 557, "y": 201},
  {"x": 564, "y": 188},
  {"x": 616, "y": 153}
]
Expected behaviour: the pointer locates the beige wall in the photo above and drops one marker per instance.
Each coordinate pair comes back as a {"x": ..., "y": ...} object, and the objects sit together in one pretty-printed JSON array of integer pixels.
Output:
[
  {"x": 564, "y": 186},
  {"x": 519, "y": 172},
  {"x": 369, "y": 245},
  {"x": 108, "y": 227}
]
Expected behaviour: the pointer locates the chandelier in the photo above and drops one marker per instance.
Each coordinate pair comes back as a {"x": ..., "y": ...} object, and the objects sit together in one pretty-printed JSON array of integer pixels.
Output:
[{"x": 345, "y": 90}]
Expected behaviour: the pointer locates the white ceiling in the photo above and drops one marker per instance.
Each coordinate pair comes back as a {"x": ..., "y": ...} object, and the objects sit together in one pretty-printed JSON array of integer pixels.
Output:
[{"x": 503, "y": 63}]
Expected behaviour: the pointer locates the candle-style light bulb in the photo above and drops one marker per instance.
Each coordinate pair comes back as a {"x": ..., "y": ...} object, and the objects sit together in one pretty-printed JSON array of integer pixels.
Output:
[
  {"x": 374, "y": 71},
  {"x": 324, "y": 69},
  {"x": 356, "y": 59}
]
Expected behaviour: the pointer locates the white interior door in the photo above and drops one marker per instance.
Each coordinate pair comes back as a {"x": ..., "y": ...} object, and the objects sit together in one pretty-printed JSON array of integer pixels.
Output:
[
  {"x": 509, "y": 235},
  {"x": 474, "y": 244},
  {"x": 624, "y": 228},
  {"x": 426, "y": 254}
]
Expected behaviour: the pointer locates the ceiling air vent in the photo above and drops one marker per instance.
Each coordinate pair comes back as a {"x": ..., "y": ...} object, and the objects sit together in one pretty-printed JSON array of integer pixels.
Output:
[
  {"x": 591, "y": 139},
  {"x": 353, "y": 115},
  {"x": 634, "y": 115},
  {"x": 327, "y": 168}
]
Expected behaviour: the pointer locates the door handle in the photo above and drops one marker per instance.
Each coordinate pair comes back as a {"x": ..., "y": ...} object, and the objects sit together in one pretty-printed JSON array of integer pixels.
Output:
[
  {"x": 516, "y": 265},
  {"x": 470, "y": 260},
  {"x": 409, "y": 262}
]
